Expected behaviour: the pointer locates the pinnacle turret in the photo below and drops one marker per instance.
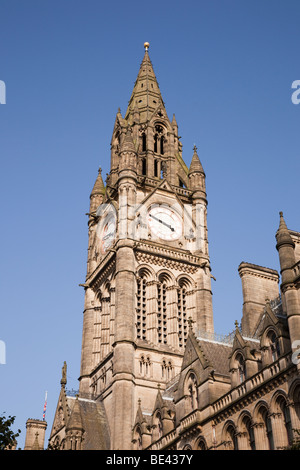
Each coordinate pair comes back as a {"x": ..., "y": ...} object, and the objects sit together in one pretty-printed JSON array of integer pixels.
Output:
[
  {"x": 128, "y": 145},
  {"x": 283, "y": 236},
  {"x": 99, "y": 187},
  {"x": 285, "y": 246},
  {"x": 98, "y": 192},
  {"x": 75, "y": 420},
  {"x": 196, "y": 166}
]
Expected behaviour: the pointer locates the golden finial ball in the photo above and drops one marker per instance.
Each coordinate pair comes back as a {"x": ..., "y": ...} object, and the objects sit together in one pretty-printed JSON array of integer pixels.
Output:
[{"x": 146, "y": 45}]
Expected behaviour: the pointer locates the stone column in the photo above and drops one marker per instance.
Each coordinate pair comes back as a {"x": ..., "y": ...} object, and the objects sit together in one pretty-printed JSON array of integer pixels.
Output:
[
  {"x": 243, "y": 441},
  {"x": 87, "y": 341},
  {"x": 124, "y": 348},
  {"x": 279, "y": 431},
  {"x": 35, "y": 434},
  {"x": 260, "y": 437}
]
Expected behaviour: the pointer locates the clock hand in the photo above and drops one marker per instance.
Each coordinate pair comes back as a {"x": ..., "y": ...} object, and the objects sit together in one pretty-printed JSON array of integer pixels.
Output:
[
  {"x": 108, "y": 235},
  {"x": 162, "y": 222}
]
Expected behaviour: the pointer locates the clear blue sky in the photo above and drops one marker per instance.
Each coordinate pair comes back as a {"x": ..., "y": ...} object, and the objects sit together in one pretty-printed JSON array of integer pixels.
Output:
[{"x": 225, "y": 68}]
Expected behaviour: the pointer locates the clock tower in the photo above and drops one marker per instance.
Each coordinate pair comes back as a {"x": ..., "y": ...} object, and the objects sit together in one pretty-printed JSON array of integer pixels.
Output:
[{"x": 148, "y": 267}]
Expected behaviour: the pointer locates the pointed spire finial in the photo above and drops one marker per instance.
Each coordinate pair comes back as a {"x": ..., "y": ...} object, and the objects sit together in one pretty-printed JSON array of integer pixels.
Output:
[
  {"x": 283, "y": 235},
  {"x": 99, "y": 185},
  {"x": 195, "y": 166},
  {"x": 282, "y": 224},
  {"x": 146, "y": 46}
]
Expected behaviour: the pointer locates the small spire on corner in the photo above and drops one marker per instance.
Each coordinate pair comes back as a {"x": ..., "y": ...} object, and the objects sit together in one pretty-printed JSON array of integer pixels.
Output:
[{"x": 64, "y": 374}]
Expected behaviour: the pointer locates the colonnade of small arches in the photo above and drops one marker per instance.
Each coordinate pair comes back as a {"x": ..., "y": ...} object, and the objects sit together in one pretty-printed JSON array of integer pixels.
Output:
[{"x": 268, "y": 427}]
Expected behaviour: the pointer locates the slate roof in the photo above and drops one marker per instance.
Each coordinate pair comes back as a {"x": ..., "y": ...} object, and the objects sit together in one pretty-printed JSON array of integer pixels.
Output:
[
  {"x": 94, "y": 422},
  {"x": 217, "y": 354}
]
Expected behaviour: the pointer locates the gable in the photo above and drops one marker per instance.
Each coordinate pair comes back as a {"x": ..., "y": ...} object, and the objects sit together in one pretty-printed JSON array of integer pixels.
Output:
[
  {"x": 62, "y": 413},
  {"x": 193, "y": 353}
]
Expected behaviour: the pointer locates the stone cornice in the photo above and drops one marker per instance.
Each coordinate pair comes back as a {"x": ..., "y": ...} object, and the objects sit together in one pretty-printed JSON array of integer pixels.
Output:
[
  {"x": 168, "y": 257},
  {"x": 103, "y": 269},
  {"x": 258, "y": 271}
]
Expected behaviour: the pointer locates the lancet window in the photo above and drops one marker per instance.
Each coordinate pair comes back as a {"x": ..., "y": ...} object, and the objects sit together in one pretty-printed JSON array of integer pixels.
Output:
[
  {"x": 192, "y": 393},
  {"x": 241, "y": 367},
  {"x": 144, "y": 142},
  {"x": 182, "y": 312},
  {"x": 274, "y": 346},
  {"x": 159, "y": 140},
  {"x": 162, "y": 312},
  {"x": 141, "y": 309},
  {"x": 167, "y": 370}
]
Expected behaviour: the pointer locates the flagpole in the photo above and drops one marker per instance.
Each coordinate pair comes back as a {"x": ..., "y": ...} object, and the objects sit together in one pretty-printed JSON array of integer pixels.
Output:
[{"x": 45, "y": 406}]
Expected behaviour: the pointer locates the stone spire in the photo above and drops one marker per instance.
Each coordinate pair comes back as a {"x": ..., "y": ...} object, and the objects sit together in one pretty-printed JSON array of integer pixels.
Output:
[
  {"x": 99, "y": 187},
  {"x": 283, "y": 236},
  {"x": 97, "y": 194},
  {"x": 196, "y": 166},
  {"x": 197, "y": 176},
  {"x": 75, "y": 420},
  {"x": 146, "y": 93},
  {"x": 285, "y": 246}
]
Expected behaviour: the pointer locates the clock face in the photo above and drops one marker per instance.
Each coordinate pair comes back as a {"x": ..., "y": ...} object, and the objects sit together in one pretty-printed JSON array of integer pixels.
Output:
[
  {"x": 108, "y": 233},
  {"x": 164, "y": 222}
]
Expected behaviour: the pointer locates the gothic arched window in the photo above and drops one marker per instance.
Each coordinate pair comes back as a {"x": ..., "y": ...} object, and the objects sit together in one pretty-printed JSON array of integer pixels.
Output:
[
  {"x": 192, "y": 392},
  {"x": 144, "y": 166},
  {"x": 201, "y": 445},
  {"x": 231, "y": 437},
  {"x": 141, "y": 312},
  {"x": 274, "y": 346},
  {"x": 167, "y": 370},
  {"x": 241, "y": 367},
  {"x": 162, "y": 312},
  {"x": 247, "y": 431},
  {"x": 159, "y": 140},
  {"x": 159, "y": 425},
  {"x": 182, "y": 311},
  {"x": 263, "y": 418},
  {"x": 156, "y": 164},
  {"x": 144, "y": 142},
  {"x": 285, "y": 418}
]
